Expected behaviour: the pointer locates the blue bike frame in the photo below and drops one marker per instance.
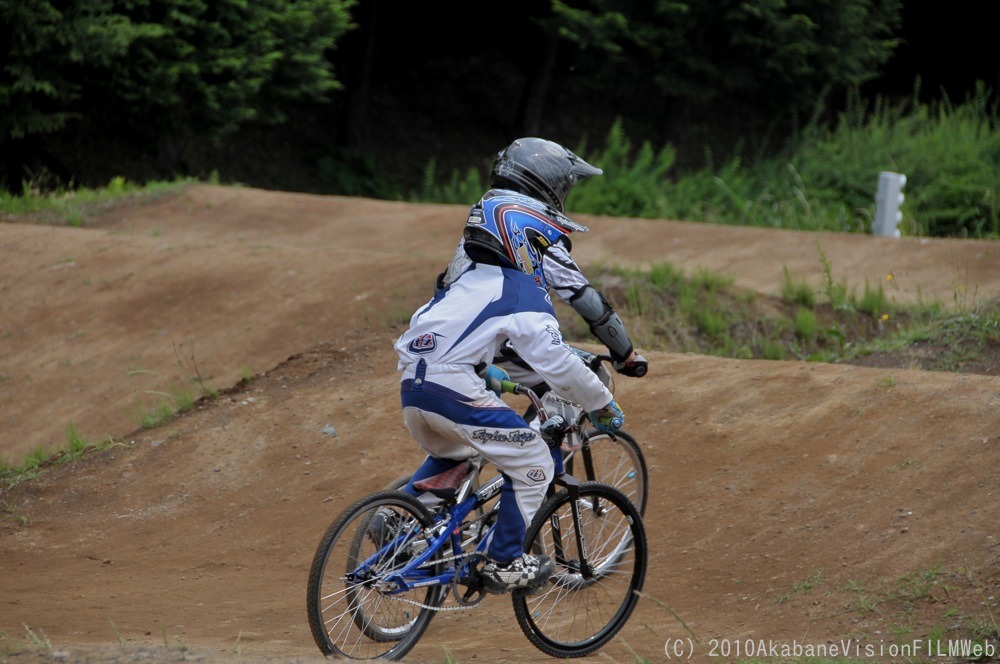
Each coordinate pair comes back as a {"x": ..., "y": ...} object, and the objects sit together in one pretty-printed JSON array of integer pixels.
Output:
[{"x": 412, "y": 575}]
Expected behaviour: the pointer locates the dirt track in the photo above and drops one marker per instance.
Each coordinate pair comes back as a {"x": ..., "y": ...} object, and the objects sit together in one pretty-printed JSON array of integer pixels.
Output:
[{"x": 795, "y": 503}]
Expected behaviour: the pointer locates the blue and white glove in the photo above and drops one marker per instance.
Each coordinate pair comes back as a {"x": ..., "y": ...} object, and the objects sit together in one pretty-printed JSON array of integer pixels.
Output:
[
  {"x": 495, "y": 377},
  {"x": 608, "y": 419}
]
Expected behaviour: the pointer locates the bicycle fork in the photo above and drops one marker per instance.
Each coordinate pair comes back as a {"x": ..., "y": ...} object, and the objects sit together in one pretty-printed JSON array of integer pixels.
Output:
[{"x": 583, "y": 565}]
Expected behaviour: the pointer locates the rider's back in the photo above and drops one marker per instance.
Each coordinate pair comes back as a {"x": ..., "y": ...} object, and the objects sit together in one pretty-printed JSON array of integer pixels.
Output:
[{"x": 465, "y": 323}]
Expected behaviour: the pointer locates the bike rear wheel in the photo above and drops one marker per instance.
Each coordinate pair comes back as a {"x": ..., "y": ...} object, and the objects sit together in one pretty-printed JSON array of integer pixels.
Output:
[
  {"x": 593, "y": 592},
  {"x": 353, "y": 606},
  {"x": 617, "y": 461},
  {"x": 482, "y": 517}
]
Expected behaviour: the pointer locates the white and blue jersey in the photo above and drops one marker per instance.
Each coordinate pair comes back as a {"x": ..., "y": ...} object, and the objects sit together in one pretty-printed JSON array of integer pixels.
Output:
[
  {"x": 465, "y": 324},
  {"x": 560, "y": 272},
  {"x": 447, "y": 406}
]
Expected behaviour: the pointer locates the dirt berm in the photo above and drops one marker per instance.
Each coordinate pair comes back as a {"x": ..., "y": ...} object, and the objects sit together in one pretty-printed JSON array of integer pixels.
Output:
[{"x": 793, "y": 504}]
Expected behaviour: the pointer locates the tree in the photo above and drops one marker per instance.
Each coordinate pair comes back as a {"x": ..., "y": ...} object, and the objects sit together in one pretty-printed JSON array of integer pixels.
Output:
[
  {"x": 163, "y": 72},
  {"x": 50, "y": 48},
  {"x": 747, "y": 65}
]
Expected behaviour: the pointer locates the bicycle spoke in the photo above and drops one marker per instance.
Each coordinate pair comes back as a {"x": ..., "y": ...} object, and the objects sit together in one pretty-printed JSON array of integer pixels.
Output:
[
  {"x": 591, "y": 595},
  {"x": 617, "y": 462},
  {"x": 355, "y": 608},
  {"x": 369, "y": 598}
]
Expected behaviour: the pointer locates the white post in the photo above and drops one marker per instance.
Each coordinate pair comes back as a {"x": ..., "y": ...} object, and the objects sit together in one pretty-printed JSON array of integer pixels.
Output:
[{"x": 888, "y": 198}]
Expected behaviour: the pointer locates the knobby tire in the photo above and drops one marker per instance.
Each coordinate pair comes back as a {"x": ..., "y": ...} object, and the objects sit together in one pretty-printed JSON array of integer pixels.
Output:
[
  {"x": 355, "y": 619},
  {"x": 617, "y": 461},
  {"x": 566, "y": 617}
]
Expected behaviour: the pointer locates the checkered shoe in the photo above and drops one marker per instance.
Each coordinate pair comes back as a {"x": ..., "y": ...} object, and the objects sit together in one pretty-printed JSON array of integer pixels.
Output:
[{"x": 527, "y": 571}]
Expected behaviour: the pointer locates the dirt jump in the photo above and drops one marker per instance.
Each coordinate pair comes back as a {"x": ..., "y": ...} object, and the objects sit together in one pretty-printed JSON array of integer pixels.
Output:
[{"x": 796, "y": 509}]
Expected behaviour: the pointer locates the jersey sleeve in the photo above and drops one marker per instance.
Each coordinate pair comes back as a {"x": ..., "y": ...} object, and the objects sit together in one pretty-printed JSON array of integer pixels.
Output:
[
  {"x": 535, "y": 335},
  {"x": 562, "y": 273}
]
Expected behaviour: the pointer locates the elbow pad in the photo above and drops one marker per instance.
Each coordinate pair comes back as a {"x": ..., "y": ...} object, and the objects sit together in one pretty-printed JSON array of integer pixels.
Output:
[{"x": 604, "y": 322}]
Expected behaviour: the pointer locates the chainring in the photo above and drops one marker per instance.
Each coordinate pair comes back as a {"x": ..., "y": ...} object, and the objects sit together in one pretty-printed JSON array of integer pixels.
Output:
[{"x": 472, "y": 580}]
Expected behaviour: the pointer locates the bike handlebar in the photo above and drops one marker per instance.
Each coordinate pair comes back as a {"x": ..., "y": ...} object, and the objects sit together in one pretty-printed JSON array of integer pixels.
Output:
[
  {"x": 639, "y": 369},
  {"x": 510, "y": 387},
  {"x": 595, "y": 362}
]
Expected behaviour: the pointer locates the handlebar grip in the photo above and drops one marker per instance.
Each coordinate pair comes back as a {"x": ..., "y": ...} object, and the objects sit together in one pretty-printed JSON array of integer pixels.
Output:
[
  {"x": 613, "y": 423},
  {"x": 509, "y": 386}
]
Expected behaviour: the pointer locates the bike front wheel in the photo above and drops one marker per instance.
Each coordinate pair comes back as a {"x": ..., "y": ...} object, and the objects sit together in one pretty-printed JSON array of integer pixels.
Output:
[
  {"x": 614, "y": 460},
  {"x": 598, "y": 543},
  {"x": 355, "y": 605}
]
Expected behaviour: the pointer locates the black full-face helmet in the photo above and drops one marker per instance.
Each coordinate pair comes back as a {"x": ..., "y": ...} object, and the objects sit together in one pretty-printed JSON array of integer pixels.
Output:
[{"x": 541, "y": 169}]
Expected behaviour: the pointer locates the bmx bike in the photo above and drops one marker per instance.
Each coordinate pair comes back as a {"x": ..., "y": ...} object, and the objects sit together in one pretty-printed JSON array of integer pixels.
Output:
[{"x": 386, "y": 565}]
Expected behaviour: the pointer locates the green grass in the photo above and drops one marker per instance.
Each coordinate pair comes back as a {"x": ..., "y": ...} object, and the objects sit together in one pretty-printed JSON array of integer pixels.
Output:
[
  {"x": 924, "y": 584},
  {"x": 802, "y": 587},
  {"x": 826, "y": 179},
  {"x": 805, "y": 324},
  {"x": 664, "y": 309},
  {"x": 798, "y": 292},
  {"x": 37, "y": 461},
  {"x": 12, "y": 474},
  {"x": 901, "y": 633},
  {"x": 151, "y": 408},
  {"x": 886, "y": 382},
  {"x": 73, "y": 207},
  {"x": 150, "y": 417}
]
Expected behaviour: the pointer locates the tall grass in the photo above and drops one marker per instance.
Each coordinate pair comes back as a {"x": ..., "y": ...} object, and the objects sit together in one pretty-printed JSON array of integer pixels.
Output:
[
  {"x": 949, "y": 152},
  {"x": 12, "y": 474},
  {"x": 72, "y": 206},
  {"x": 702, "y": 313},
  {"x": 826, "y": 180}
]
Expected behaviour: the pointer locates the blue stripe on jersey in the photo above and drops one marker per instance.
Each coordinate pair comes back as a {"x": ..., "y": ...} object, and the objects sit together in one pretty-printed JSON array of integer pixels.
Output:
[
  {"x": 508, "y": 537},
  {"x": 520, "y": 293},
  {"x": 462, "y": 413},
  {"x": 433, "y": 388},
  {"x": 438, "y": 296},
  {"x": 533, "y": 297}
]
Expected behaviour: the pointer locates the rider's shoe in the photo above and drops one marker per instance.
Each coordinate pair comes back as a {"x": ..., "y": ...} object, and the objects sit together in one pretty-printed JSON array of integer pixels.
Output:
[
  {"x": 384, "y": 526},
  {"x": 525, "y": 572}
]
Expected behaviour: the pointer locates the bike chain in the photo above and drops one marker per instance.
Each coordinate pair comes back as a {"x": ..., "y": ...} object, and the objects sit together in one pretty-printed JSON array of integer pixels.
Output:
[
  {"x": 414, "y": 602},
  {"x": 453, "y": 586},
  {"x": 406, "y": 600}
]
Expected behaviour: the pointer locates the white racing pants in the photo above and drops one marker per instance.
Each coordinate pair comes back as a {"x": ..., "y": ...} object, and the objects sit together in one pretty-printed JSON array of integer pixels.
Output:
[{"x": 452, "y": 416}]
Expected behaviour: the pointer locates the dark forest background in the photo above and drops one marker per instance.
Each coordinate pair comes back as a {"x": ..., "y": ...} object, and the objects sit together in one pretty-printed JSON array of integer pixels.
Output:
[{"x": 336, "y": 96}]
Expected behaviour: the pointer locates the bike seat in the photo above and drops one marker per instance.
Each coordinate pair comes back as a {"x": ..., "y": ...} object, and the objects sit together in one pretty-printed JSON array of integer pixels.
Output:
[{"x": 445, "y": 485}]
